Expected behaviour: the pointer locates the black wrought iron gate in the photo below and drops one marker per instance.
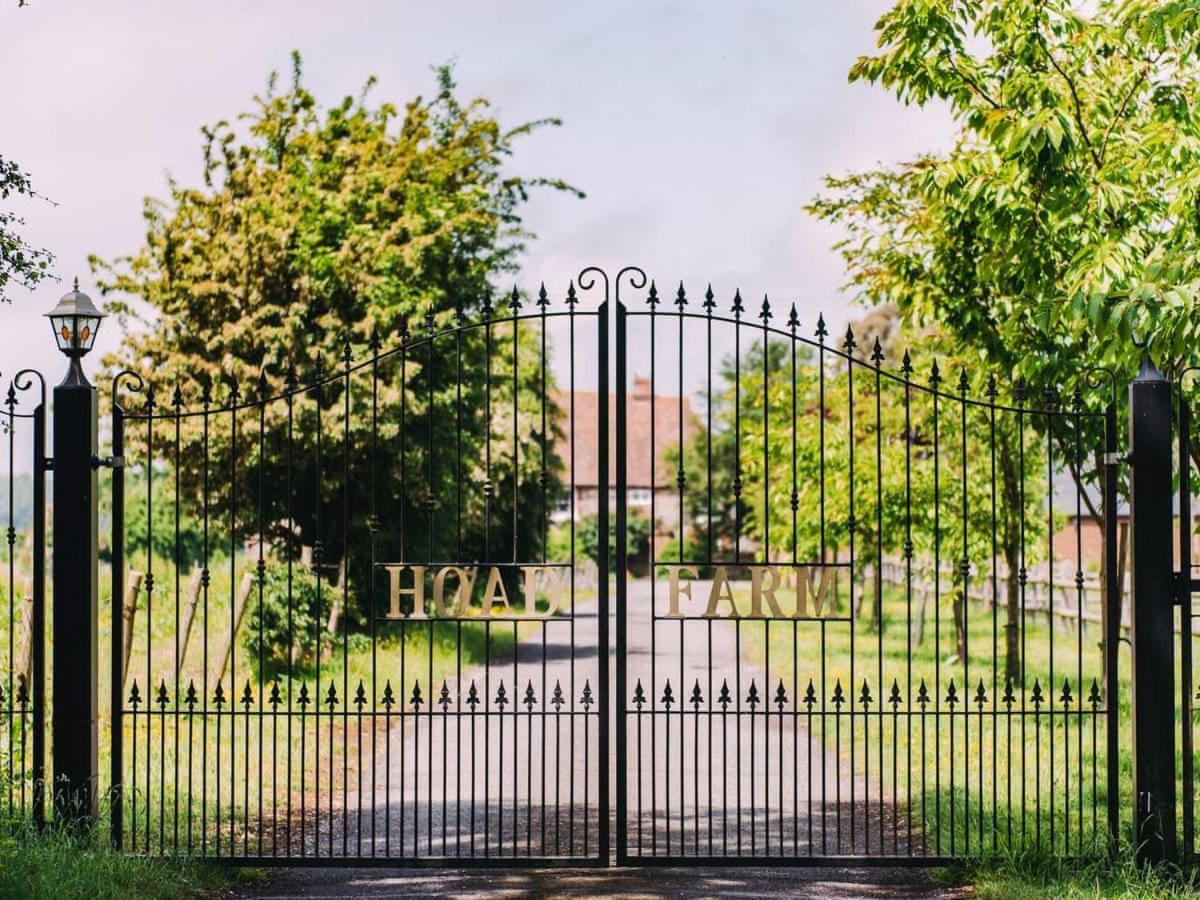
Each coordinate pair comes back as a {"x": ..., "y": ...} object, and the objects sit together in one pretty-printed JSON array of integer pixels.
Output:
[
  {"x": 376, "y": 636},
  {"x": 865, "y": 607},
  {"x": 871, "y": 621}
]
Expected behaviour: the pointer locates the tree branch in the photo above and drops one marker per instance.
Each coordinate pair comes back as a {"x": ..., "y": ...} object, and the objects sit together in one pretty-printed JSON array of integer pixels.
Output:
[
  {"x": 1137, "y": 83},
  {"x": 1087, "y": 140},
  {"x": 972, "y": 84}
]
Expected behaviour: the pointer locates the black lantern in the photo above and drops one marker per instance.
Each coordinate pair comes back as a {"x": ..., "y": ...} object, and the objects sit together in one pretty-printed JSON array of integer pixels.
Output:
[{"x": 75, "y": 320}]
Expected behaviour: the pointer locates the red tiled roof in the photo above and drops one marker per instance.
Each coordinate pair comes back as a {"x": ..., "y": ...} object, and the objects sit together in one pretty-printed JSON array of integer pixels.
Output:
[{"x": 640, "y": 410}]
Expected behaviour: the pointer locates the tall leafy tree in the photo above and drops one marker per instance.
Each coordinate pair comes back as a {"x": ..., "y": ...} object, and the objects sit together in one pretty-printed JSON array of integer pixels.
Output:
[
  {"x": 319, "y": 235},
  {"x": 868, "y": 459},
  {"x": 1060, "y": 231}
]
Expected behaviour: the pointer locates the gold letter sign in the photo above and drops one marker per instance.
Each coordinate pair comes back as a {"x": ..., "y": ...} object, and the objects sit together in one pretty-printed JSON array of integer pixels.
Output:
[
  {"x": 813, "y": 590},
  {"x": 479, "y": 591}
]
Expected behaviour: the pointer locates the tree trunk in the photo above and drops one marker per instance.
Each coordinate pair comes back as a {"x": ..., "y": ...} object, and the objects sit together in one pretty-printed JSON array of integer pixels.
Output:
[
  {"x": 1010, "y": 540},
  {"x": 960, "y": 632}
]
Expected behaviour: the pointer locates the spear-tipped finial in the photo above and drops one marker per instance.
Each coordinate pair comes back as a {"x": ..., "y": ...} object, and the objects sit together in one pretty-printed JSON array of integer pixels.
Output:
[
  {"x": 738, "y": 306},
  {"x": 963, "y": 384},
  {"x": 543, "y": 299},
  {"x": 765, "y": 312},
  {"x": 710, "y": 301},
  {"x": 848, "y": 342},
  {"x": 680, "y": 297},
  {"x": 652, "y": 298},
  {"x": 935, "y": 377},
  {"x": 877, "y": 353},
  {"x": 906, "y": 367},
  {"x": 793, "y": 318},
  {"x": 572, "y": 297},
  {"x": 514, "y": 299},
  {"x": 822, "y": 331}
]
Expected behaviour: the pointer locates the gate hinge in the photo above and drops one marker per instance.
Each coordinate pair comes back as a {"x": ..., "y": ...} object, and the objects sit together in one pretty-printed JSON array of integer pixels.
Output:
[
  {"x": 1116, "y": 458},
  {"x": 108, "y": 462},
  {"x": 1185, "y": 586}
]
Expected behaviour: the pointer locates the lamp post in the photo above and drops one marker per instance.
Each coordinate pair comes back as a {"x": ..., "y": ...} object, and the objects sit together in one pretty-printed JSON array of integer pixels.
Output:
[{"x": 75, "y": 321}]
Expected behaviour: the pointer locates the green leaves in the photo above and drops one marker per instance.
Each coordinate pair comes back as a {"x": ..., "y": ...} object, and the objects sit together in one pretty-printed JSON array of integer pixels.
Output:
[
  {"x": 317, "y": 226},
  {"x": 1062, "y": 223},
  {"x": 21, "y": 263}
]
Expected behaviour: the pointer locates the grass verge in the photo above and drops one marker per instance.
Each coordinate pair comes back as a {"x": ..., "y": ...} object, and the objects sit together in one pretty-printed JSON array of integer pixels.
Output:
[
  {"x": 1027, "y": 876},
  {"x": 57, "y": 864}
]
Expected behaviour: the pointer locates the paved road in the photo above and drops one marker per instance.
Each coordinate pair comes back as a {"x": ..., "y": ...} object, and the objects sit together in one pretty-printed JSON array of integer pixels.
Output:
[
  {"x": 629, "y": 883},
  {"x": 724, "y": 767}
]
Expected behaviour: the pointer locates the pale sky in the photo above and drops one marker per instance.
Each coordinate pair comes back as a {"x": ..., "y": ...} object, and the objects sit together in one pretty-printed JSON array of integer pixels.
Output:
[{"x": 698, "y": 130}]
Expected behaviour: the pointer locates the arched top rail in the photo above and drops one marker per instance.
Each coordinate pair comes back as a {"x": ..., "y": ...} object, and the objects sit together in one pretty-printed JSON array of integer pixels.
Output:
[
  {"x": 337, "y": 373},
  {"x": 843, "y": 350}
]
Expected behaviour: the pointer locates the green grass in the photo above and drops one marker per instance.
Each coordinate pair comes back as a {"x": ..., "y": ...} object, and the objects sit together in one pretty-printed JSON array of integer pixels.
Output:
[
  {"x": 1030, "y": 876},
  {"x": 159, "y": 760},
  {"x": 967, "y": 781},
  {"x": 56, "y": 865}
]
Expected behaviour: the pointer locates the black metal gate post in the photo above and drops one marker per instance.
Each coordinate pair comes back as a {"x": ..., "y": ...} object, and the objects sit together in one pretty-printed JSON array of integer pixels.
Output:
[
  {"x": 1153, "y": 615},
  {"x": 75, "y": 572}
]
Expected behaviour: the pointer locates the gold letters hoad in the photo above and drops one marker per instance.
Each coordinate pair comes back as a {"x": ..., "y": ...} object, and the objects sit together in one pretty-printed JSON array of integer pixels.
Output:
[{"x": 458, "y": 591}]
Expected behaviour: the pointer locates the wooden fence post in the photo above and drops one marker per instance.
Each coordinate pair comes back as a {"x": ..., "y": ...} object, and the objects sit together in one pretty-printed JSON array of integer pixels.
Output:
[{"x": 128, "y": 611}]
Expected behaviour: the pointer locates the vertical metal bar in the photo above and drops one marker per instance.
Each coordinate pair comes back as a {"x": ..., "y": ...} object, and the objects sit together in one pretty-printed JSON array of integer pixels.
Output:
[
  {"x": 117, "y": 762},
  {"x": 38, "y": 633},
  {"x": 622, "y": 562},
  {"x": 1153, "y": 615},
  {"x": 1185, "y": 623}
]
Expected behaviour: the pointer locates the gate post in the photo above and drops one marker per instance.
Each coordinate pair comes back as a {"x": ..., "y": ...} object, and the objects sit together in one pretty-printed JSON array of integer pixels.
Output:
[
  {"x": 74, "y": 569},
  {"x": 1152, "y": 615}
]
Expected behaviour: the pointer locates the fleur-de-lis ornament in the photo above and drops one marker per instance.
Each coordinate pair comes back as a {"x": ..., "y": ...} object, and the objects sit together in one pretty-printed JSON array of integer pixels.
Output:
[{"x": 639, "y": 695}]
